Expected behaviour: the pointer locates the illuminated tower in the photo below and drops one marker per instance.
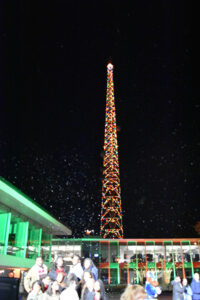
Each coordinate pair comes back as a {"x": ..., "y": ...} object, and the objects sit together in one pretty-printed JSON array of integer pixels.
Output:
[{"x": 111, "y": 210}]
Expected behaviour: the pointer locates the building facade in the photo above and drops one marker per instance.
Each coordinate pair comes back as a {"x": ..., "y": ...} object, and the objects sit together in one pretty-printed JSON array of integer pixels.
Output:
[
  {"x": 26, "y": 230},
  {"x": 124, "y": 261}
]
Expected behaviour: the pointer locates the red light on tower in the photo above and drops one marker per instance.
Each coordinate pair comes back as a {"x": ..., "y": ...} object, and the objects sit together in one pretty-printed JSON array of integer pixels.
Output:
[{"x": 111, "y": 211}]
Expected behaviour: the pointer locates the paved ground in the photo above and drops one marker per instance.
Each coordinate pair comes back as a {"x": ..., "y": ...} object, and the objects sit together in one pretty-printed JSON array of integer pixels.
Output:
[
  {"x": 167, "y": 296},
  {"x": 116, "y": 296}
]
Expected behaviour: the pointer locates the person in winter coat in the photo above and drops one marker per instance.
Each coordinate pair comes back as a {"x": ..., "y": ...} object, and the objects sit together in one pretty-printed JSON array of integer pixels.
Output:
[
  {"x": 89, "y": 265},
  {"x": 35, "y": 273},
  {"x": 195, "y": 286},
  {"x": 178, "y": 288}
]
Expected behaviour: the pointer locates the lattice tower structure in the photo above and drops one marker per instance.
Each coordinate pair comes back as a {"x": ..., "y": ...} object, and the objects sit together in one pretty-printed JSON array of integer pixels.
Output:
[{"x": 111, "y": 208}]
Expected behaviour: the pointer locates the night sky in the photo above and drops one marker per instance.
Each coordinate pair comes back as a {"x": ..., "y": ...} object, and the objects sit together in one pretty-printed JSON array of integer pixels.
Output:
[{"x": 52, "y": 110}]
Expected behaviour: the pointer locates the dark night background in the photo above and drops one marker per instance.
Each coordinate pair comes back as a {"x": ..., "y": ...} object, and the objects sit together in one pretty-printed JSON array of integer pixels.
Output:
[{"x": 53, "y": 92}]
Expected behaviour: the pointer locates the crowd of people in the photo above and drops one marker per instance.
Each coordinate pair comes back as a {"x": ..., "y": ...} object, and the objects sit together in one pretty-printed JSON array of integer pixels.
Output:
[
  {"x": 82, "y": 283},
  {"x": 183, "y": 291}
]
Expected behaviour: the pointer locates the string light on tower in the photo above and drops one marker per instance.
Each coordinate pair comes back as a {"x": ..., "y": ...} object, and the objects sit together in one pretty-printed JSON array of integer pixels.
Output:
[{"x": 111, "y": 210}]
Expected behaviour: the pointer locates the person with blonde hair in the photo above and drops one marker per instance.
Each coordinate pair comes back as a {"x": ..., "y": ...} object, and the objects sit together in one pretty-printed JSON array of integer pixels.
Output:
[{"x": 134, "y": 292}]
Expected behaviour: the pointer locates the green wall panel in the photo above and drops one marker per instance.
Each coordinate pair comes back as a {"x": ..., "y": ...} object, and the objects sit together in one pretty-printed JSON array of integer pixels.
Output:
[
  {"x": 133, "y": 265},
  {"x": 169, "y": 265},
  {"x": 4, "y": 232},
  {"x": 114, "y": 265},
  {"x": 46, "y": 246},
  {"x": 21, "y": 238},
  {"x": 35, "y": 239},
  {"x": 150, "y": 265}
]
